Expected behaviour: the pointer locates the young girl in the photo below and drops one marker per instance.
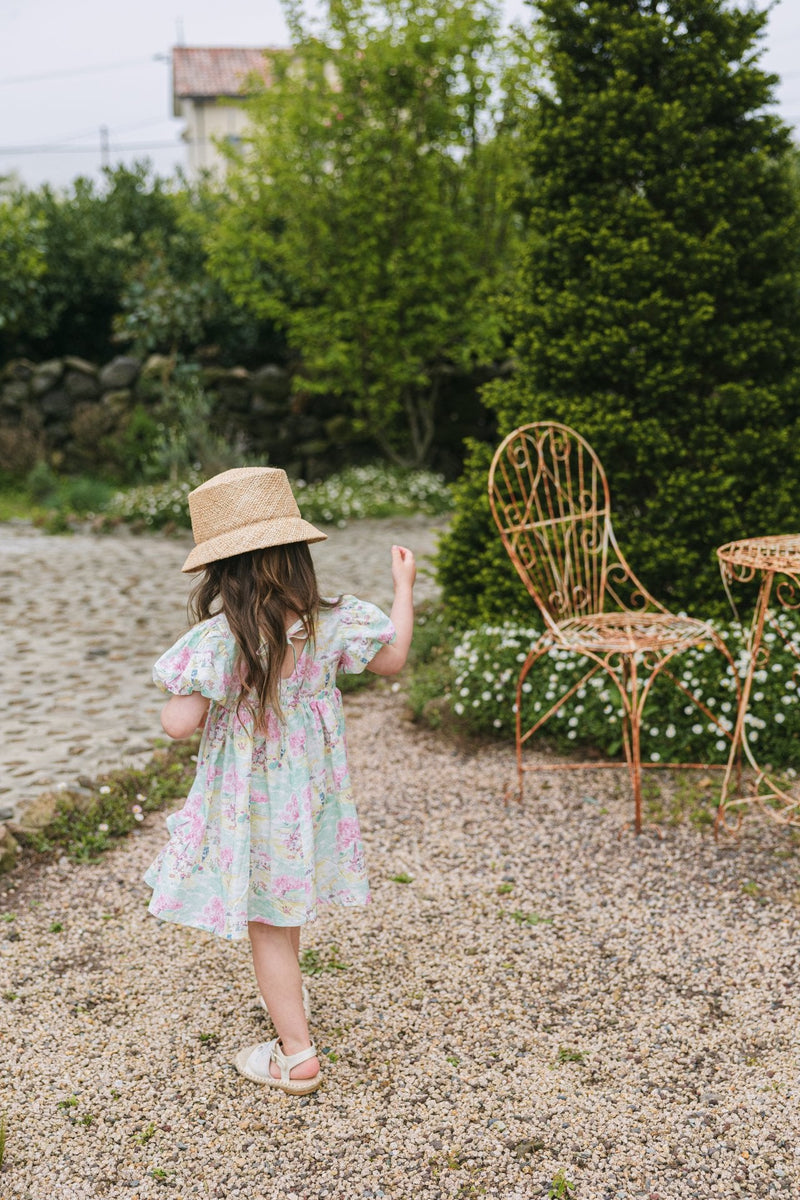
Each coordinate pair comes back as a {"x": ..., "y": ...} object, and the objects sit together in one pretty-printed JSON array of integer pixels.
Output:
[{"x": 269, "y": 830}]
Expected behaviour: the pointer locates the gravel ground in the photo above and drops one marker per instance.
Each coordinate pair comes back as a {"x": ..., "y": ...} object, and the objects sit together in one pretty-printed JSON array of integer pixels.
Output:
[{"x": 547, "y": 995}]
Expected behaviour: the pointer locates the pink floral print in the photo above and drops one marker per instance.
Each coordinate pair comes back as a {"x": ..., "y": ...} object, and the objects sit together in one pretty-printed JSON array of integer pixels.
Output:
[{"x": 269, "y": 830}]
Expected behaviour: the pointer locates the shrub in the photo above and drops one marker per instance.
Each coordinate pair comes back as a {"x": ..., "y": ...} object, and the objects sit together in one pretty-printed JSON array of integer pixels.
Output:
[
  {"x": 485, "y": 665},
  {"x": 376, "y": 491},
  {"x": 655, "y": 306},
  {"x": 155, "y": 504},
  {"x": 373, "y": 491}
]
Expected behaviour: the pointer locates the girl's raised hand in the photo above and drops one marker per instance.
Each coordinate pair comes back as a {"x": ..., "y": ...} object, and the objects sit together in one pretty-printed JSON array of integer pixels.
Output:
[{"x": 404, "y": 568}]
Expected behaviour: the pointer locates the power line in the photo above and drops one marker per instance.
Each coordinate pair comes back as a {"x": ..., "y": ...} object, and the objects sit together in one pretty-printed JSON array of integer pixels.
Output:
[
  {"x": 115, "y": 149},
  {"x": 88, "y": 70}
]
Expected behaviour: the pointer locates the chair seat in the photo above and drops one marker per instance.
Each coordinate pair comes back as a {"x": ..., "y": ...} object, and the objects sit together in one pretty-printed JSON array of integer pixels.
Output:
[{"x": 625, "y": 632}]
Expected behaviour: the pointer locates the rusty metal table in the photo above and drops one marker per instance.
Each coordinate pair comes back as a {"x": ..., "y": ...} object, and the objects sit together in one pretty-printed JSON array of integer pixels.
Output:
[{"x": 768, "y": 559}]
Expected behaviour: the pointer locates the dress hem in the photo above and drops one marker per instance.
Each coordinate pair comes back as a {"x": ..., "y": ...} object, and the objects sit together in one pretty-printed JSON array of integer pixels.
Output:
[{"x": 174, "y": 918}]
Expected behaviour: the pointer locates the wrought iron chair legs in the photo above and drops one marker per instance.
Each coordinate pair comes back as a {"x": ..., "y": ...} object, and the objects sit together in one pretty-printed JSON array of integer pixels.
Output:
[{"x": 634, "y": 690}]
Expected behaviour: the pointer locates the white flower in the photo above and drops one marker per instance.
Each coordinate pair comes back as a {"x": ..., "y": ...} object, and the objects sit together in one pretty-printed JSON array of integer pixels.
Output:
[
  {"x": 780, "y": 718},
  {"x": 103, "y": 827},
  {"x": 721, "y": 744},
  {"x": 655, "y": 756},
  {"x": 697, "y": 729},
  {"x": 670, "y": 731},
  {"x": 104, "y": 790}
]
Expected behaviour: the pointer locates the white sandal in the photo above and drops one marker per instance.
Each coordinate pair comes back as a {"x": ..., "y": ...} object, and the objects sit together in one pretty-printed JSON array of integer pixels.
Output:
[
  {"x": 254, "y": 1062},
  {"x": 306, "y": 1002}
]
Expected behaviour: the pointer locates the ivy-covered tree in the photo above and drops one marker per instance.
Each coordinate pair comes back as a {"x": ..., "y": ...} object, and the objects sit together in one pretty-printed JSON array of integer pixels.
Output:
[
  {"x": 365, "y": 215},
  {"x": 170, "y": 303},
  {"x": 22, "y": 265},
  {"x": 656, "y": 305},
  {"x": 90, "y": 236}
]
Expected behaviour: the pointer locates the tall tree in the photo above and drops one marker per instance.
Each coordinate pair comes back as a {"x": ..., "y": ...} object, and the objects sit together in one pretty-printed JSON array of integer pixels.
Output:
[
  {"x": 365, "y": 215},
  {"x": 656, "y": 306}
]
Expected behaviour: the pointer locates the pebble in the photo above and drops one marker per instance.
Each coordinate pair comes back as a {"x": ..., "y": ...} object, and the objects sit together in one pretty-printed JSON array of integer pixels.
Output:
[{"x": 632, "y": 1042}]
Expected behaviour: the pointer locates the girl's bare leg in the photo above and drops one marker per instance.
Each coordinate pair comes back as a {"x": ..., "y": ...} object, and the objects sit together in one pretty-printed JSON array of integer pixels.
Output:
[{"x": 275, "y": 950}]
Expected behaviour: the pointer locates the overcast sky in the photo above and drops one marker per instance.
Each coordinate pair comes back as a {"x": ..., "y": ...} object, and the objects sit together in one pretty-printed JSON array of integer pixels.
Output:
[{"x": 68, "y": 69}]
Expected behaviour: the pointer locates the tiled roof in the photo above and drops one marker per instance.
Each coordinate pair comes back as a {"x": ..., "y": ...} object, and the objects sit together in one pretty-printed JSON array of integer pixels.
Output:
[{"x": 206, "y": 71}]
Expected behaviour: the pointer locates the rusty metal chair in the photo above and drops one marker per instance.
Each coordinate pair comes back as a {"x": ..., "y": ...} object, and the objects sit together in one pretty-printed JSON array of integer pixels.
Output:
[{"x": 549, "y": 497}]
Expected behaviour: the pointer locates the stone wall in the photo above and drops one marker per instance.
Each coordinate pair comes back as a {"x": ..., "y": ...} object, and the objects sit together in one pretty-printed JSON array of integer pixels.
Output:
[{"x": 81, "y": 417}]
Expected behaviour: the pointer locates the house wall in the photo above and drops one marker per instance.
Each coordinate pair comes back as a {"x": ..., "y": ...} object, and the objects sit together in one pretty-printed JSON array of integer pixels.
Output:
[{"x": 208, "y": 121}]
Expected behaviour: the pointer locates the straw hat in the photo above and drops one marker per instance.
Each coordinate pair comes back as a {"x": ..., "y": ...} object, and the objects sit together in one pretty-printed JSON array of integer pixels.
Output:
[{"x": 247, "y": 508}]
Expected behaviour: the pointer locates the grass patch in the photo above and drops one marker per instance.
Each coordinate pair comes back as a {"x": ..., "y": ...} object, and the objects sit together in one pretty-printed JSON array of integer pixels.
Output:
[
  {"x": 561, "y": 1188},
  {"x": 522, "y": 918},
  {"x": 313, "y": 962},
  {"x": 686, "y": 797},
  {"x": 144, "y": 1136},
  {"x": 88, "y": 822},
  {"x": 567, "y": 1054},
  {"x": 15, "y": 502}
]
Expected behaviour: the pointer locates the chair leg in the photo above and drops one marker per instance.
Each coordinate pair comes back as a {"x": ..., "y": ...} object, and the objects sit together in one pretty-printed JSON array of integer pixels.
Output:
[
  {"x": 636, "y": 770},
  {"x": 633, "y": 746},
  {"x": 533, "y": 657}
]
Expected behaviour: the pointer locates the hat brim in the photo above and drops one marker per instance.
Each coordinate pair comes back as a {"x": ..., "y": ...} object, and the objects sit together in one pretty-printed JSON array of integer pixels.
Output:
[{"x": 280, "y": 531}]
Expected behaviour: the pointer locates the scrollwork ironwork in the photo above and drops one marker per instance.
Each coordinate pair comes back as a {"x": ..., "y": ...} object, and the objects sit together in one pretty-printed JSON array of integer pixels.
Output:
[{"x": 549, "y": 497}]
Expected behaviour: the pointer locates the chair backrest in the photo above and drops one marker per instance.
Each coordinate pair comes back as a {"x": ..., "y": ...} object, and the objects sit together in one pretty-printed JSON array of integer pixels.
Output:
[{"x": 549, "y": 496}]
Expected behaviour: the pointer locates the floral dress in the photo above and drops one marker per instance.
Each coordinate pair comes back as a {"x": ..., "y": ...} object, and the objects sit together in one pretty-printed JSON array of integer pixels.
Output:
[{"x": 269, "y": 830}]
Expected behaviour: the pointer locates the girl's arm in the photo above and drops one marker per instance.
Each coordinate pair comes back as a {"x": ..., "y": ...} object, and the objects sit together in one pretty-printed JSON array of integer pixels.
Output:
[
  {"x": 182, "y": 715},
  {"x": 391, "y": 659}
]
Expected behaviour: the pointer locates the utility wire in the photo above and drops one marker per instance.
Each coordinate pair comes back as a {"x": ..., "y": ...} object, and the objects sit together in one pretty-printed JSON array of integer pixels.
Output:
[
  {"x": 116, "y": 149},
  {"x": 73, "y": 71}
]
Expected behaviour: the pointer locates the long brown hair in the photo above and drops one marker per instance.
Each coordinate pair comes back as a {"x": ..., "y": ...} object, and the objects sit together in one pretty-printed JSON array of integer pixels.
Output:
[{"x": 256, "y": 591}]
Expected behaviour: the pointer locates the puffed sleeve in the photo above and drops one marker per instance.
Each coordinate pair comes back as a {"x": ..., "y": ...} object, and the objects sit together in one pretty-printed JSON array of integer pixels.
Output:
[
  {"x": 200, "y": 661},
  {"x": 361, "y": 631}
]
